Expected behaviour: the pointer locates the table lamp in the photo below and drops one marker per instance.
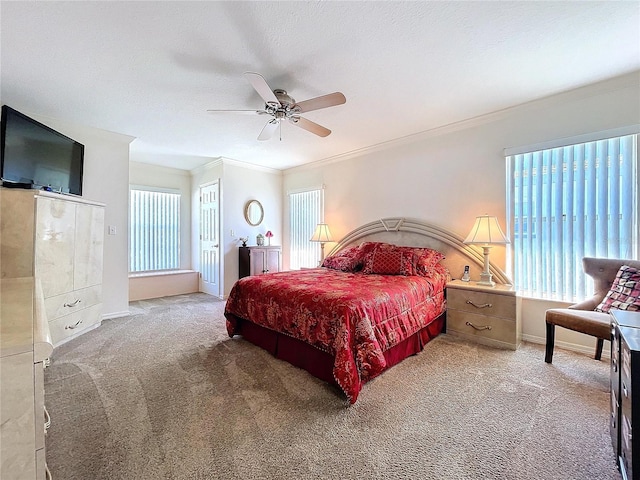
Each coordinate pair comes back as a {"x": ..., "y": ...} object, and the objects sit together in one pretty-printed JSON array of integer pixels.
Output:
[
  {"x": 322, "y": 235},
  {"x": 486, "y": 232}
]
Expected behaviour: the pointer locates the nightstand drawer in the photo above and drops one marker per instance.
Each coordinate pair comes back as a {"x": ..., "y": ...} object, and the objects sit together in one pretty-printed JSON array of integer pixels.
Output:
[
  {"x": 501, "y": 329},
  {"x": 482, "y": 303}
]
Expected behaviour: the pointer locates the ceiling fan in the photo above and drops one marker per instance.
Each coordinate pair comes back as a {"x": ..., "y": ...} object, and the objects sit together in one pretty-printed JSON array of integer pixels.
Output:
[{"x": 281, "y": 106}]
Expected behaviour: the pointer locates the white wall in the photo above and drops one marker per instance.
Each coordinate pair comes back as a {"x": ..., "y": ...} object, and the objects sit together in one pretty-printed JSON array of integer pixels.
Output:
[
  {"x": 145, "y": 174},
  {"x": 106, "y": 180},
  {"x": 239, "y": 183},
  {"x": 450, "y": 175}
]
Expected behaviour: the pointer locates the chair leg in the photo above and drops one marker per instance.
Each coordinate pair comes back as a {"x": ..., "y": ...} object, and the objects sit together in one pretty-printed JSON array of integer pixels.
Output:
[
  {"x": 599, "y": 349},
  {"x": 551, "y": 330}
]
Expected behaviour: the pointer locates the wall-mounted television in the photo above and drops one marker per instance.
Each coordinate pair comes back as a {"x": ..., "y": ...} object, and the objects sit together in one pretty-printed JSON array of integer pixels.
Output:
[{"x": 36, "y": 156}]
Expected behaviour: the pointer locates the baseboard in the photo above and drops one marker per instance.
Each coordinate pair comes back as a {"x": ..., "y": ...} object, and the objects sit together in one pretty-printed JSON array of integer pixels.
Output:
[
  {"x": 574, "y": 347},
  {"x": 108, "y": 316}
]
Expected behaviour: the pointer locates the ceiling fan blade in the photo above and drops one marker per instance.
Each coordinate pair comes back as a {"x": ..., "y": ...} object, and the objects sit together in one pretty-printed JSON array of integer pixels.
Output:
[
  {"x": 261, "y": 86},
  {"x": 268, "y": 130},
  {"x": 310, "y": 126},
  {"x": 249, "y": 112},
  {"x": 324, "y": 101}
]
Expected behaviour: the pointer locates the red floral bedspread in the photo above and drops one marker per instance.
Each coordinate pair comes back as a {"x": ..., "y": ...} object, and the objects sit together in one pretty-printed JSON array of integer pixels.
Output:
[{"x": 354, "y": 317}]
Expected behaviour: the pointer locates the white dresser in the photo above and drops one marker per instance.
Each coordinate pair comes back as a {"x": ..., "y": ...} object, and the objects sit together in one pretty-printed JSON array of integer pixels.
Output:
[
  {"x": 59, "y": 240},
  {"x": 25, "y": 345}
]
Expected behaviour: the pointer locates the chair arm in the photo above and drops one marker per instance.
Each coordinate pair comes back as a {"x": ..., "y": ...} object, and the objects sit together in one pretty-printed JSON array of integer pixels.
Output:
[{"x": 588, "y": 304}]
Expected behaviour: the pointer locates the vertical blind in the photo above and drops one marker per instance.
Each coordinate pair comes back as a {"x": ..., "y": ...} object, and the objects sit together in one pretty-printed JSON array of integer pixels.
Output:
[
  {"x": 154, "y": 230},
  {"x": 306, "y": 211},
  {"x": 568, "y": 203}
]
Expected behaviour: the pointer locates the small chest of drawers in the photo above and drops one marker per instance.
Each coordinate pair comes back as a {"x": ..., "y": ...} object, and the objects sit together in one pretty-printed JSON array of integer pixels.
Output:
[{"x": 486, "y": 315}]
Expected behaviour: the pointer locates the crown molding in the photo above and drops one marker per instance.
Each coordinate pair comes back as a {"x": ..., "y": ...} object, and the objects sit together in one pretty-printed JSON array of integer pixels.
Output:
[
  {"x": 623, "y": 82},
  {"x": 250, "y": 166},
  {"x": 222, "y": 161}
]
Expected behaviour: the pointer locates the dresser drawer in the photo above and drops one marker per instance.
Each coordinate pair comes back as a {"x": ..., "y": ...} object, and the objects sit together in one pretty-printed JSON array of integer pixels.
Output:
[
  {"x": 69, "y": 325},
  {"x": 482, "y": 303},
  {"x": 69, "y": 302},
  {"x": 502, "y": 330}
]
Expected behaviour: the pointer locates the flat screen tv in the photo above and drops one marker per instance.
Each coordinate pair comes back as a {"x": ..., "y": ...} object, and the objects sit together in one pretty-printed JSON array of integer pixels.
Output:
[{"x": 36, "y": 156}]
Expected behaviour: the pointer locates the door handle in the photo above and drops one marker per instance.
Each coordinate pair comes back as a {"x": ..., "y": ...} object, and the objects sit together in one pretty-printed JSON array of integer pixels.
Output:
[{"x": 215, "y": 246}]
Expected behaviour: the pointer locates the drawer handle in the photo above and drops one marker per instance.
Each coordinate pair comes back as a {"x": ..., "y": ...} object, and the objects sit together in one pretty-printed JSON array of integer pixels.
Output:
[
  {"x": 47, "y": 419},
  {"x": 72, "y": 304},
  {"x": 484, "y": 305},
  {"x": 71, "y": 327},
  {"x": 484, "y": 327},
  {"x": 624, "y": 390}
]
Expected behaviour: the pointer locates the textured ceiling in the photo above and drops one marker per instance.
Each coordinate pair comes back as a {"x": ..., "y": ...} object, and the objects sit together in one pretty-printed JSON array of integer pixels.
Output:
[{"x": 151, "y": 69}]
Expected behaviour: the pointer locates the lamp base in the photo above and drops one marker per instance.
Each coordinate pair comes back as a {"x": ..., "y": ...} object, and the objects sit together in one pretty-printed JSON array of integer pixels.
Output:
[{"x": 485, "y": 279}]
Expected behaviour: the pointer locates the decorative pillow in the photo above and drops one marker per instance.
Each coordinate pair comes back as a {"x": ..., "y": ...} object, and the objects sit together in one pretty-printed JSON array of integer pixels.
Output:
[
  {"x": 624, "y": 293},
  {"x": 347, "y": 260},
  {"x": 385, "y": 261}
]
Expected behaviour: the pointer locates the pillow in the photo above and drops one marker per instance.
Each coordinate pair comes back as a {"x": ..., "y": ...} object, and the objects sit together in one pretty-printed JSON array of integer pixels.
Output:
[
  {"x": 624, "y": 293},
  {"x": 426, "y": 259},
  {"x": 347, "y": 260},
  {"x": 384, "y": 261}
]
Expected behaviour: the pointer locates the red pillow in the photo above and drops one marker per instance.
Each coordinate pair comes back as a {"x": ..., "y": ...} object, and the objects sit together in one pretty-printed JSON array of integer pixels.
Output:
[
  {"x": 384, "y": 261},
  {"x": 347, "y": 260},
  {"x": 624, "y": 294}
]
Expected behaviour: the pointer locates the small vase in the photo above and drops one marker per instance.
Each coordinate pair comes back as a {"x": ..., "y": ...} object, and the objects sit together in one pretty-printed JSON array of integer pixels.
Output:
[{"x": 259, "y": 241}]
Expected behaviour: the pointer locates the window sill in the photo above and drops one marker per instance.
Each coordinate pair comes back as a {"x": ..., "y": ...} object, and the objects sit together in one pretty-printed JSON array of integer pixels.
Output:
[{"x": 160, "y": 273}]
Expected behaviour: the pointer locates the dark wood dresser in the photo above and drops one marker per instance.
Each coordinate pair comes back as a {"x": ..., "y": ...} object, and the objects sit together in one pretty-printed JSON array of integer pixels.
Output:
[{"x": 625, "y": 391}]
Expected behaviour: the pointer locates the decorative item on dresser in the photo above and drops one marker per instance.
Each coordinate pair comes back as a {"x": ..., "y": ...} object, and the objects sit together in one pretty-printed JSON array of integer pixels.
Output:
[
  {"x": 625, "y": 390},
  {"x": 59, "y": 240},
  {"x": 259, "y": 260},
  {"x": 487, "y": 315},
  {"x": 25, "y": 345}
]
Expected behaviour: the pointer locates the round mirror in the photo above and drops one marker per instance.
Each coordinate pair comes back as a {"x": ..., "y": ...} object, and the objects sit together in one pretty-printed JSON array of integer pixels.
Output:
[{"x": 253, "y": 213}]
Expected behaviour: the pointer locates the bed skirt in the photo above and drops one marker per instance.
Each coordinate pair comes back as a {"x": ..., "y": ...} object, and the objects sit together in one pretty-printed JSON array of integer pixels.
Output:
[{"x": 319, "y": 363}]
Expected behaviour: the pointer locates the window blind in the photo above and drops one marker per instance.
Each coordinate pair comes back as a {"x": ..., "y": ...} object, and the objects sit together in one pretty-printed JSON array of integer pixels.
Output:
[
  {"x": 154, "y": 230},
  {"x": 569, "y": 202},
  {"x": 306, "y": 211}
]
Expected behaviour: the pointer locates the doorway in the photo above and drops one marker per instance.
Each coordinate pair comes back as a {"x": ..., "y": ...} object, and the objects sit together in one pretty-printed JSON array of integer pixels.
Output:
[{"x": 210, "y": 239}]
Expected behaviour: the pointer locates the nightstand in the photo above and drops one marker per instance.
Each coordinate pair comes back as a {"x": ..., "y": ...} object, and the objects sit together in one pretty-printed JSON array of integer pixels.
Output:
[{"x": 487, "y": 315}]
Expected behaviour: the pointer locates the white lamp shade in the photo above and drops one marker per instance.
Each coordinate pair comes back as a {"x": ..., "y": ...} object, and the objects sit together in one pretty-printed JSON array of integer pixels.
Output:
[
  {"x": 486, "y": 231},
  {"x": 322, "y": 234}
]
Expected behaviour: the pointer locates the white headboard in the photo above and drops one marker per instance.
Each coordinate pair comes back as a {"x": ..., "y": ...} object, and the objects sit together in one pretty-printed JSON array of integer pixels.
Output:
[{"x": 416, "y": 233}]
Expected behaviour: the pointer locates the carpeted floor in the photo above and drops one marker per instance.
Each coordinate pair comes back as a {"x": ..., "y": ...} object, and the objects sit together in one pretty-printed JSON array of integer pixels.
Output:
[{"x": 165, "y": 394}]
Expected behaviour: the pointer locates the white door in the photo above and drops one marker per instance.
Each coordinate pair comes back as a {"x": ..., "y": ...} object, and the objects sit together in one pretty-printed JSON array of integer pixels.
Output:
[{"x": 210, "y": 239}]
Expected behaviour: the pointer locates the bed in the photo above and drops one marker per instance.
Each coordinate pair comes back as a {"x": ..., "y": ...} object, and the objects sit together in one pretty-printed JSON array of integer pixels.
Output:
[{"x": 377, "y": 299}]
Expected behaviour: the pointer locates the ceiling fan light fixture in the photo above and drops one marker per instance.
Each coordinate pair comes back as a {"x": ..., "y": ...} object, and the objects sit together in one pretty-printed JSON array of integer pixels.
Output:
[{"x": 280, "y": 105}]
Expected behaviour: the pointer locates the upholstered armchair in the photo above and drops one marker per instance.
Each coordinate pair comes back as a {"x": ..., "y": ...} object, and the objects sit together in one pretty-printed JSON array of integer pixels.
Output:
[{"x": 581, "y": 317}]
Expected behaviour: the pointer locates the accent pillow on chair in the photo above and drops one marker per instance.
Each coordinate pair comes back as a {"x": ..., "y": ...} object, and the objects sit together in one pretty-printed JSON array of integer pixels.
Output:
[{"x": 624, "y": 293}]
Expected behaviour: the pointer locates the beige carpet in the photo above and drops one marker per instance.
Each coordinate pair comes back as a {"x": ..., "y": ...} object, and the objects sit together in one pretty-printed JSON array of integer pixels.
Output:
[{"x": 165, "y": 394}]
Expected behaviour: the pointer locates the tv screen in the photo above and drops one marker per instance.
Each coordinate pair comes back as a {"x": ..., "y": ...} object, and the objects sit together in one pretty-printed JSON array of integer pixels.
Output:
[{"x": 36, "y": 155}]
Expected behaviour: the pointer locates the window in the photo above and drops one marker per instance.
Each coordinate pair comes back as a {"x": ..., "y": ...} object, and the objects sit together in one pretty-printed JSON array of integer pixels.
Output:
[
  {"x": 570, "y": 202},
  {"x": 154, "y": 229},
  {"x": 306, "y": 211}
]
